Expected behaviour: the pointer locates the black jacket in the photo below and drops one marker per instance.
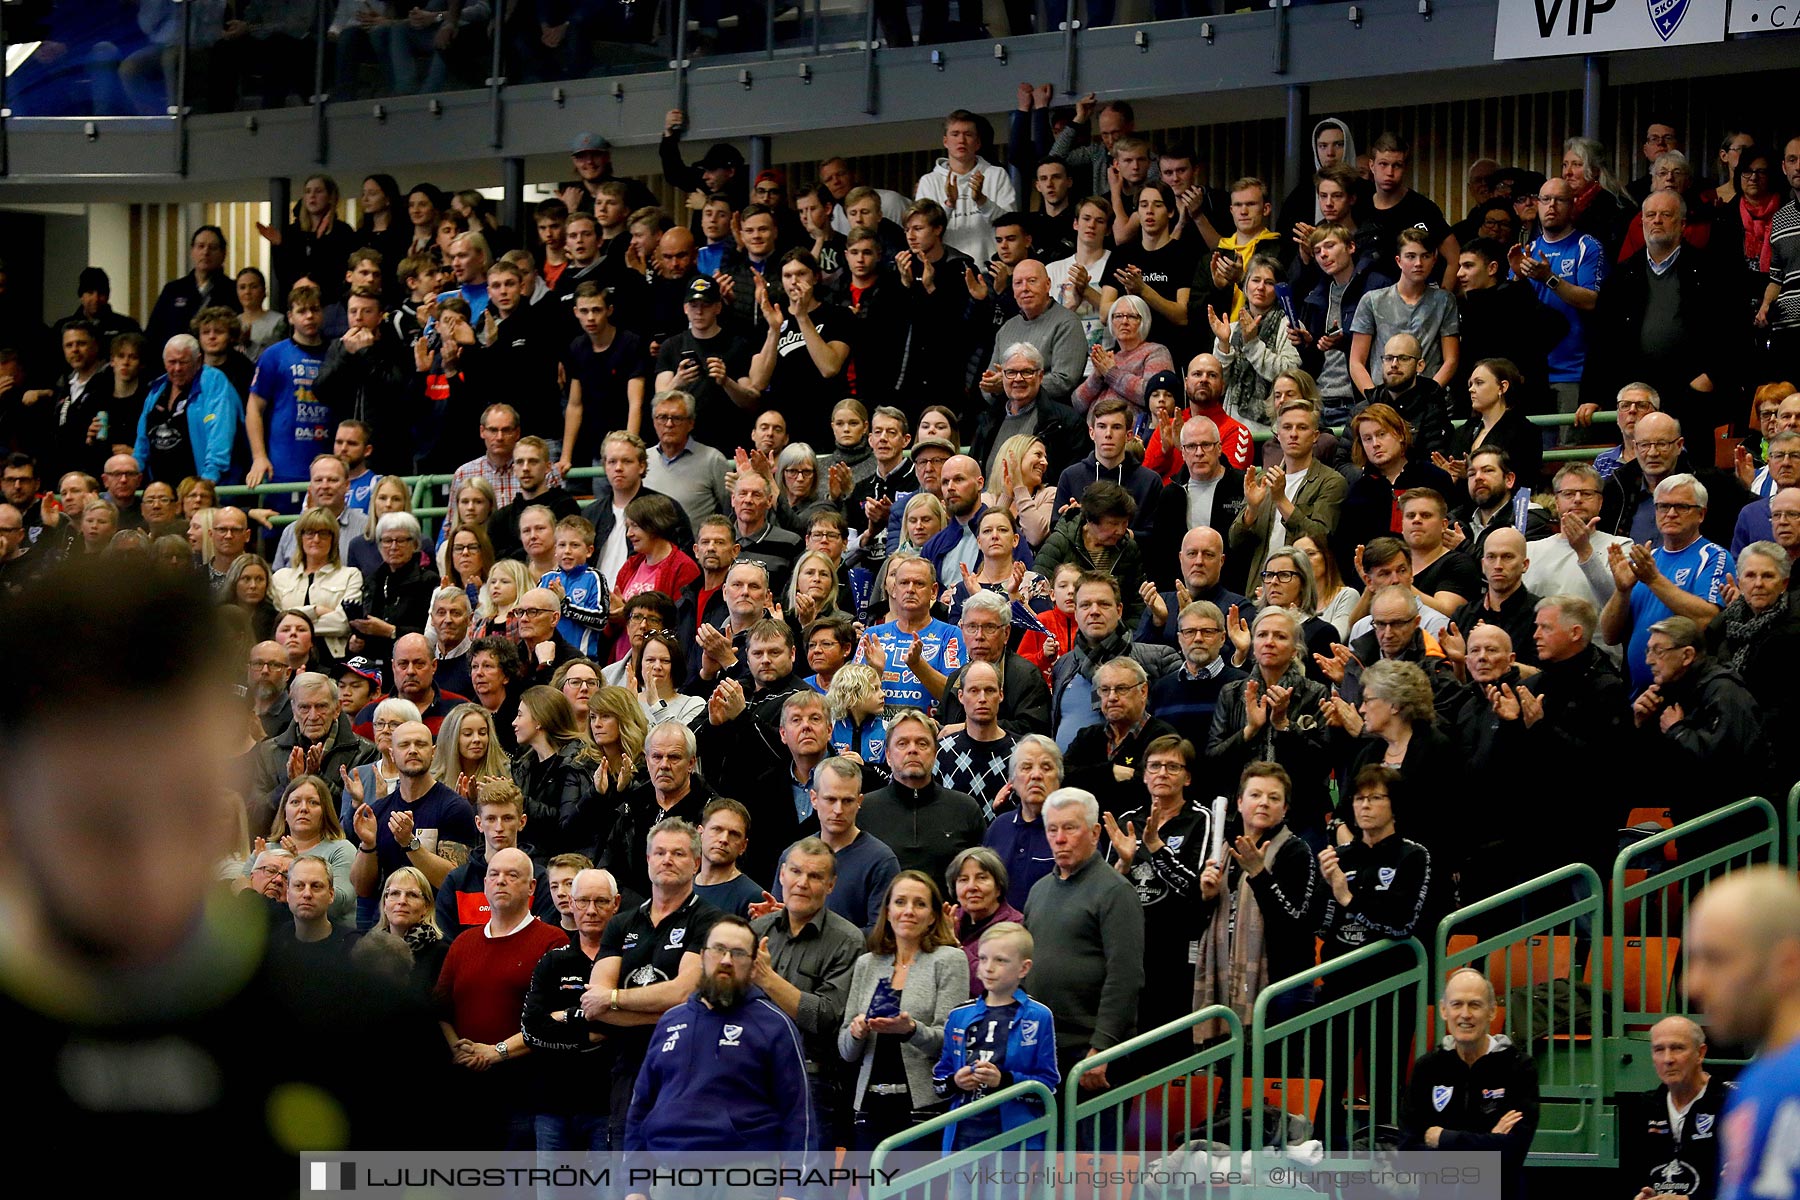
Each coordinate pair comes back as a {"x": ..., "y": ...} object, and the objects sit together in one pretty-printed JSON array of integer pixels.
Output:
[
  {"x": 925, "y": 828},
  {"x": 181, "y": 301},
  {"x": 375, "y": 387},
  {"x": 1088, "y": 764},
  {"x": 503, "y": 526},
  {"x": 323, "y": 258},
  {"x": 1716, "y": 753},
  {"x": 525, "y": 351},
  {"x": 343, "y": 749},
  {"x": 625, "y": 853},
  {"x": 1522, "y": 441},
  {"x": 1162, "y": 557},
  {"x": 1057, "y": 424},
  {"x": 1302, "y": 747},
  {"x": 401, "y": 598},
  {"x": 1580, "y": 742},
  {"x": 1390, "y": 890},
  {"x": 1432, "y": 784},
  {"x": 564, "y": 815},
  {"x": 1468, "y": 1100},
  {"x": 1510, "y": 322},
  {"x": 1708, "y": 345},
  {"x": 600, "y": 512},
  {"x": 1426, "y": 407},
  {"x": 1291, "y": 895},
  {"x": 1369, "y": 507},
  {"x": 1650, "y": 1155},
  {"x": 1517, "y": 616},
  {"x": 1024, "y": 706}
]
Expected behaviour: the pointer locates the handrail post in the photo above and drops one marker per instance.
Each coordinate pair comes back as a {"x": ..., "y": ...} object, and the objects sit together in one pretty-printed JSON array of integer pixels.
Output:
[
  {"x": 179, "y": 109},
  {"x": 496, "y": 83},
  {"x": 1281, "y": 38},
  {"x": 320, "y": 94},
  {"x": 1070, "y": 24},
  {"x": 680, "y": 65},
  {"x": 870, "y": 107}
]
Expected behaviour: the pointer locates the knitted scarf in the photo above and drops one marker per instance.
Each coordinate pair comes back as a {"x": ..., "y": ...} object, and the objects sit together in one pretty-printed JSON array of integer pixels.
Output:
[
  {"x": 1233, "y": 968},
  {"x": 1757, "y": 218},
  {"x": 1744, "y": 626},
  {"x": 1089, "y": 654},
  {"x": 1247, "y": 392}
]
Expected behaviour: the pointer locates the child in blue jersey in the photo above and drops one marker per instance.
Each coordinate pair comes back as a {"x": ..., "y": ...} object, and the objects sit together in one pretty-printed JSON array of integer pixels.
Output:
[
  {"x": 856, "y": 705},
  {"x": 991, "y": 1043},
  {"x": 911, "y": 586},
  {"x": 586, "y": 599},
  {"x": 286, "y": 426}
]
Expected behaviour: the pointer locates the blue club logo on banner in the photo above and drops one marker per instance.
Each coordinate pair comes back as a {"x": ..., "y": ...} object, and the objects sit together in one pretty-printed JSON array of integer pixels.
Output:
[{"x": 1666, "y": 15}]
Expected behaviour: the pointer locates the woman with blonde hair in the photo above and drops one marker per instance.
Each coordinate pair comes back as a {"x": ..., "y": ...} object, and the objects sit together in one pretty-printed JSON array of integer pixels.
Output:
[
  {"x": 409, "y": 912},
  {"x": 1023, "y": 487},
  {"x": 307, "y": 823},
  {"x": 473, "y": 504},
  {"x": 200, "y": 535},
  {"x": 617, "y": 729},
  {"x": 812, "y": 588},
  {"x": 855, "y": 702},
  {"x": 318, "y": 581},
  {"x": 468, "y": 750},
  {"x": 507, "y": 580},
  {"x": 553, "y": 768},
  {"x": 923, "y": 519},
  {"x": 195, "y": 493}
]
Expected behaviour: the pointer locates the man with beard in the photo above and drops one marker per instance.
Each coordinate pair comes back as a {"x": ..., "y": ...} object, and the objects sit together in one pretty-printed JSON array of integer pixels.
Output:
[
  {"x": 421, "y": 823},
  {"x": 728, "y": 1071},
  {"x": 649, "y": 960},
  {"x": 1497, "y": 502},
  {"x": 269, "y": 675},
  {"x": 1108, "y": 759},
  {"x": 1186, "y": 697}
]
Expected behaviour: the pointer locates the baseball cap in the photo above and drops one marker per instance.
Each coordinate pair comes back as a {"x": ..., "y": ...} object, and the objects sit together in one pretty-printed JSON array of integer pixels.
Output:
[
  {"x": 588, "y": 143},
  {"x": 775, "y": 173},
  {"x": 364, "y": 667},
  {"x": 722, "y": 154},
  {"x": 702, "y": 291}
]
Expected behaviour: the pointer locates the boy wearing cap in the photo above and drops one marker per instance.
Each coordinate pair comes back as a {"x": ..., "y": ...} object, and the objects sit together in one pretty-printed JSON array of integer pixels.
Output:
[
  {"x": 711, "y": 364},
  {"x": 591, "y": 155},
  {"x": 359, "y": 681}
]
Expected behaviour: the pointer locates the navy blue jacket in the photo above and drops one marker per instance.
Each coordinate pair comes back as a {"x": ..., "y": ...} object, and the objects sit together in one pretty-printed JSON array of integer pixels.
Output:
[{"x": 731, "y": 1080}]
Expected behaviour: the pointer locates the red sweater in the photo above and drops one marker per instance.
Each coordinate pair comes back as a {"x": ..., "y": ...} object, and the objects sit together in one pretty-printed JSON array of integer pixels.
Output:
[{"x": 481, "y": 989}]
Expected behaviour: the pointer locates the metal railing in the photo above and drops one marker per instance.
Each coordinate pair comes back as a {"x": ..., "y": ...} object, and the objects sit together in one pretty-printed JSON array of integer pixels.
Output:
[
  {"x": 1545, "y": 957},
  {"x": 1155, "y": 1112},
  {"x": 1315, "y": 1052},
  {"x": 1009, "y": 1151},
  {"x": 1654, "y": 989},
  {"x": 1793, "y": 828}
]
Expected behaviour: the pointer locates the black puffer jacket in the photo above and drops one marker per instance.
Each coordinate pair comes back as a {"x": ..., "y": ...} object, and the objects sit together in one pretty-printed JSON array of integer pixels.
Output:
[{"x": 563, "y": 813}]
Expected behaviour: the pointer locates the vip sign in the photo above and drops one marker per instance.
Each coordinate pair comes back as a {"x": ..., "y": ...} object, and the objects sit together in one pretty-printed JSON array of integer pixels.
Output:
[
  {"x": 1539, "y": 28},
  {"x": 1762, "y": 16}
]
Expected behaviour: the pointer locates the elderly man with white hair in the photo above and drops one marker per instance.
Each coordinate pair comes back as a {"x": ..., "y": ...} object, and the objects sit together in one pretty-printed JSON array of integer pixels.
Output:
[
  {"x": 190, "y": 419},
  {"x": 1669, "y": 1136},
  {"x": 1023, "y": 403},
  {"x": 320, "y": 741},
  {"x": 1089, "y": 926},
  {"x": 1051, "y": 329},
  {"x": 570, "y": 1113},
  {"x": 1683, "y": 577}
]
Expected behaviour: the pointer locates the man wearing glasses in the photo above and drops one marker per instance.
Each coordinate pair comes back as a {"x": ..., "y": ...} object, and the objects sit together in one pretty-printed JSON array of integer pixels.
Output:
[
  {"x": 18, "y": 565},
  {"x": 1683, "y": 577},
  {"x": 1202, "y": 494},
  {"x": 726, "y": 1069},
  {"x": 1109, "y": 759},
  {"x": 1568, "y": 268},
  {"x": 1185, "y": 698},
  {"x": 1573, "y": 561},
  {"x": 1026, "y": 403},
  {"x": 1753, "y": 523},
  {"x": 1634, "y": 401},
  {"x": 1053, "y": 330}
]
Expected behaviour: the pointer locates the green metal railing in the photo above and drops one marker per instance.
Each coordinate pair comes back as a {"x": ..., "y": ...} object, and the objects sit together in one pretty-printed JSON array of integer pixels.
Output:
[
  {"x": 1661, "y": 901},
  {"x": 1525, "y": 961},
  {"x": 1323, "y": 1043},
  {"x": 1793, "y": 828},
  {"x": 421, "y": 486},
  {"x": 1542, "y": 420},
  {"x": 1150, "y": 1115},
  {"x": 943, "y": 1174}
]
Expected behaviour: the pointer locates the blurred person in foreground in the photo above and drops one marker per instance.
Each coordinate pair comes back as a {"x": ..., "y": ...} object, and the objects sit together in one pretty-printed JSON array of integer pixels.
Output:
[{"x": 143, "y": 1015}]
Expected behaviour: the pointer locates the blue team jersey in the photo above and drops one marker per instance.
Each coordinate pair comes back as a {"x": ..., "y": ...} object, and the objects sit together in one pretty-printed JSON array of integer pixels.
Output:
[
  {"x": 1699, "y": 570},
  {"x": 298, "y": 428},
  {"x": 1761, "y": 1151},
  {"x": 941, "y": 643},
  {"x": 361, "y": 493},
  {"x": 584, "y": 589},
  {"x": 1579, "y": 259}
]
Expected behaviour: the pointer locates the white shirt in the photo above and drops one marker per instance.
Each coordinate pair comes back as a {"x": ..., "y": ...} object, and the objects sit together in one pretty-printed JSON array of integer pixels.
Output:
[
  {"x": 1277, "y": 526},
  {"x": 1678, "y": 1116},
  {"x": 1555, "y": 571},
  {"x": 490, "y": 931},
  {"x": 616, "y": 549}
]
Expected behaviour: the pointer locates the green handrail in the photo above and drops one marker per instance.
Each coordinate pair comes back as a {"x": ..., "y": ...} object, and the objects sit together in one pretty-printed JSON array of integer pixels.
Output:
[
  {"x": 1763, "y": 842},
  {"x": 1793, "y": 828},
  {"x": 1265, "y": 1033},
  {"x": 1559, "y": 1052},
  {"x": 1115, "y": 1103},
  {"x": 942, "y": 1166}
]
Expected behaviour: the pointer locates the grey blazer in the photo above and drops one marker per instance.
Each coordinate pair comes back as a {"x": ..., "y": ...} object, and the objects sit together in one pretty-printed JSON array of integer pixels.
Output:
[
  {"x": 1316, "y": 508},
  {"x": 936, "y": 983}
]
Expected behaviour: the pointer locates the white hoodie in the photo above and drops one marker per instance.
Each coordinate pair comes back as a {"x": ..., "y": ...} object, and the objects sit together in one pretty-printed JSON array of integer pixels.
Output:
[{"x": 971, "y": 228}]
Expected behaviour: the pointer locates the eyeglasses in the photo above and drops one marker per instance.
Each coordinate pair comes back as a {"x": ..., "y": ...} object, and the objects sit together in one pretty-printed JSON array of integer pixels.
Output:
[
  {"x": 536, "y": 612},
  {"x": 379, "y": 725},
  {"x": 275, "y": 871},
  {"x": 1760, "y": 172},
  {"x": 1542, "y": 199},
  {"x": 1672, "y": 506},
  {"x": 799, "y": 470},
  {"x": 325, "y": 533},
  {"x": 218, "y": 529},
  {"x": 1402, "y": 623},
  {"x": 1197, "y": 447},
  {"x": 1658, "y": 446},
  {"x": 984, "y": 629},
  {"x": 1118, "y": 689},
  {"x": 734, "y": 953},
  {"x": 1579, "y": 493},
  {"x": 670, "y": 418},
  {"x": 1205, "y": 631},
  {"x": 581, "y": 685},
  {"x": 1399, "y": 358},
  {"x": 1369, "y": 797},
  {"x": 1020, "y": 372},
  {"x": 400, "y": 540},
  {"x": 1164, "y": 768},
  {"x": 1280, "y": 576},
  {"x": 603, "y": 902}
]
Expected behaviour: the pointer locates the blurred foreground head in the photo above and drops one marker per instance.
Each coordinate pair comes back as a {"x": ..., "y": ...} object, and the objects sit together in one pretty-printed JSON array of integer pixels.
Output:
[{"x": 115, "y": 723}]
